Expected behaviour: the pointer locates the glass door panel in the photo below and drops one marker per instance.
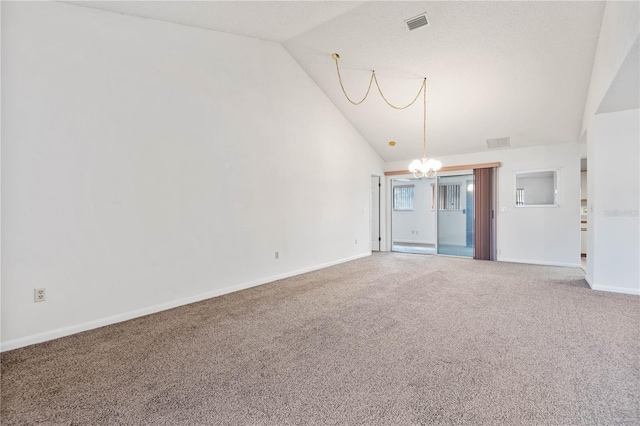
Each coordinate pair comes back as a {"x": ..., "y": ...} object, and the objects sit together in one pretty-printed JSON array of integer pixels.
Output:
[
  {"x": 413, "y": 216},
  {"x": 455, "y": 201}
]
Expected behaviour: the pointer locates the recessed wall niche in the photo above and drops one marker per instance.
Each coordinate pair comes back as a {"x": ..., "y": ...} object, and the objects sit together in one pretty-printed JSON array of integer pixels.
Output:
[{"x": 536, "y": 188}]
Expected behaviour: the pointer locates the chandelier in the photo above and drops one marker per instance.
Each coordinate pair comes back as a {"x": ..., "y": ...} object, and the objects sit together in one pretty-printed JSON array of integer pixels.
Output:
[{"x": 426, "y": 167}]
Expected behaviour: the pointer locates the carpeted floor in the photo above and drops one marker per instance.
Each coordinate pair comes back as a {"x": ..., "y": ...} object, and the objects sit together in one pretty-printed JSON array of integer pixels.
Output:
[{"x": 391, "y": 339}]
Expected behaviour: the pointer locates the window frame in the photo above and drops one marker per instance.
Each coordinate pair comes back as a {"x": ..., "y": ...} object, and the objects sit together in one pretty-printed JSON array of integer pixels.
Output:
[
  {"x": 516, "y": 187},
  {"x": 411, "y": 198}
]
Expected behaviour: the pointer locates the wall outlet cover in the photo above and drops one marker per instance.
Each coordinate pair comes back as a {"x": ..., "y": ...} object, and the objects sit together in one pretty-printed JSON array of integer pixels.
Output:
[{"x": 39, "y": 294}]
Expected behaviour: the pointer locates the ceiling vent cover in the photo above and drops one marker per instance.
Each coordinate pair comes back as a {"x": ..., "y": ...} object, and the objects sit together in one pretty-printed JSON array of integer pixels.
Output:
[
  {"x": 417, "y": 21},
  {"x": 498, "y": 143}
]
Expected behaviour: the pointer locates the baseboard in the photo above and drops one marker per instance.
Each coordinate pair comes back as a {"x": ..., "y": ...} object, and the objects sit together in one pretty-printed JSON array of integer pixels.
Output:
[
  {"x": 588, "y": 280},
  {"x": 125, "y": 316},
  {"x": 593, "y": 286},
  {"x": 623, "y": 290},
  {"x": 539, "y": 262}
]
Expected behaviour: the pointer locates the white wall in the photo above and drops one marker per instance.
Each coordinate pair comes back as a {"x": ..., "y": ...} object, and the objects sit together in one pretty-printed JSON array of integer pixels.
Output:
[
  {"x": 613, "y": 249},
  {"x": 611, "y": 154},
  {"x": 418, "y": 225},
  {"x": 146, "y": 165},
  {"x": 543, "y": 235},
  {"x": 619, "y": 31}
]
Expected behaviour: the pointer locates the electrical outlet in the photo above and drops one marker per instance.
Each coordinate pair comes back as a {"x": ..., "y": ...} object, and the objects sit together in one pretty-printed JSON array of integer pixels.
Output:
[
  {"x": 277, "y": 255},
  {"x": 356, "y": 242},
  {"x": 39, "y": 294}
]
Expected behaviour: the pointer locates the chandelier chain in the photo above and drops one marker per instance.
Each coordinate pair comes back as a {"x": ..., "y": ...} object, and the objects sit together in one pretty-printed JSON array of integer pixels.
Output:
[
  {"x": 424, "y": 120},
  {"x": 345, "y": 92},
  {"x": 374, "y": 78},
  {"x": 426, "y": 167},
  {"x": 389, "y": 103}
]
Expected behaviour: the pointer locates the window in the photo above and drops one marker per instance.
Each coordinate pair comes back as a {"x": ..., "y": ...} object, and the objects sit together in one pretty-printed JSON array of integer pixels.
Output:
[
  {"x": 449, "y": 197},
  {"x": 403, "y": 197},
  {"x": 537, "y": 188}
]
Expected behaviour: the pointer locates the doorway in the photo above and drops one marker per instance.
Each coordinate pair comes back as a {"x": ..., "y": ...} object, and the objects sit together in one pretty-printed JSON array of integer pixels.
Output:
[
  {"x": 413, "y": 216},
  {"x": 458, "y": 208},
  {"x": 583, "y": 213}
]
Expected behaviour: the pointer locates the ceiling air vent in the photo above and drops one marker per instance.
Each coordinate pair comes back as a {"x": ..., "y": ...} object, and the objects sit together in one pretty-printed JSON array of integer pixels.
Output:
[
  {"x": 417, "y": 21},
  {"x": 498, "y": 143}
]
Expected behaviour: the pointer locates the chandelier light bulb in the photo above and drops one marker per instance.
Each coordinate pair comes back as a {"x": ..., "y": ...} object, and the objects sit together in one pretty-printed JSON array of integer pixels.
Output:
[
  {"x": 427, "y": 167},
  {"x": 415, "y": 166},
  {"x": 434, "y": 164}
]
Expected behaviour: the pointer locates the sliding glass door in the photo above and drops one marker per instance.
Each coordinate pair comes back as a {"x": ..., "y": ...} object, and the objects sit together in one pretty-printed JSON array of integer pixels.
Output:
[
  {"x": 413, "y": 216},
  {"x": 455, "y": 203}
]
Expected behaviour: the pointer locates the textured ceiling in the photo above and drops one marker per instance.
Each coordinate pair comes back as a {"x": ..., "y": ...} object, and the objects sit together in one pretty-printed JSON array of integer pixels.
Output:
[
  {"x": 494, "y": 69},
  {"x": 266, "y": 20}
]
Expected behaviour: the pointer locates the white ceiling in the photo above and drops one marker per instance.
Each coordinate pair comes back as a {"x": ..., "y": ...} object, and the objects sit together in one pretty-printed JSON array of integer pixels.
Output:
[{"x": 494, "y": 69}]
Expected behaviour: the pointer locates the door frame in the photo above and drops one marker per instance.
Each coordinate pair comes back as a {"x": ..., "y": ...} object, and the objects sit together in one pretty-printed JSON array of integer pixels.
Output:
[
  {"x": 463, "y": 175},
  {"x": 375, "y": 210}
]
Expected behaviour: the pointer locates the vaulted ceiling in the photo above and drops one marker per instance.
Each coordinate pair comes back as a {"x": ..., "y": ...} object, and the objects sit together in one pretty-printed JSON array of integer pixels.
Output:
[{"x": 494, "y": 69}]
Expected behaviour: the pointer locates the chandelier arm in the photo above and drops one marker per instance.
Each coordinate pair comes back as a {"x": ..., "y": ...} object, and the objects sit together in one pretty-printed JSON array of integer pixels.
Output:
[
  {"x": 373, "y": 75},
  {"x": 395, "y": 106}
]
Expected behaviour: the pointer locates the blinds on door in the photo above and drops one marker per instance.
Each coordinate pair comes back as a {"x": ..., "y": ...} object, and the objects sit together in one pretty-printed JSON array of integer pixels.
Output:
[{"x": 449, "y": 196}]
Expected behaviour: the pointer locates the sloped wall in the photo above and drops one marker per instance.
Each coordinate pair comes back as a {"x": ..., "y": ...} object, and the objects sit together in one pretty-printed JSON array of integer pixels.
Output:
[{"x": 146, "y": 165}]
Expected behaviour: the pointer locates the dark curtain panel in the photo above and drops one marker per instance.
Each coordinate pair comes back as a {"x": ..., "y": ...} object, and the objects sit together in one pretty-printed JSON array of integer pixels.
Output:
[{"x": 484, "y": 213}]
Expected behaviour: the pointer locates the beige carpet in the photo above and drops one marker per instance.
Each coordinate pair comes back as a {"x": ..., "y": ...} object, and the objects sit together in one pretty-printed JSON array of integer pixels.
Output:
[{"x": 391, "y": 339}]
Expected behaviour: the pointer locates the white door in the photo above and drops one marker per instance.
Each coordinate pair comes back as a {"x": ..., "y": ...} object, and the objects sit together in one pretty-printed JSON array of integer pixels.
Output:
[{"x": 375, "y": 213}]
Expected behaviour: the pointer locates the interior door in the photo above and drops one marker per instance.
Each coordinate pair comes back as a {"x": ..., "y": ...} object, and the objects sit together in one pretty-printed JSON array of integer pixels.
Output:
[
  {"x": 455, "y": 199},
  {"x": 484, "y": 222}
]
